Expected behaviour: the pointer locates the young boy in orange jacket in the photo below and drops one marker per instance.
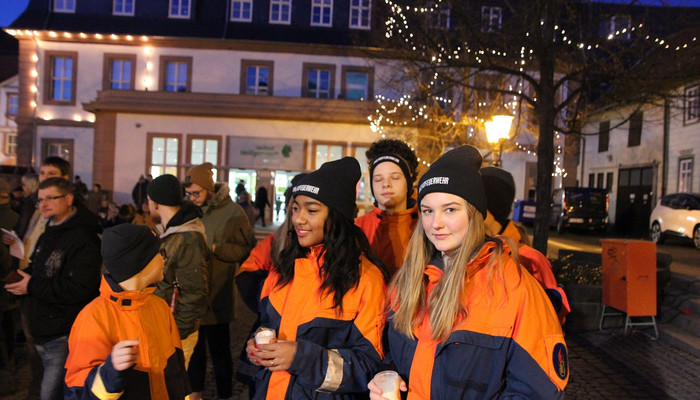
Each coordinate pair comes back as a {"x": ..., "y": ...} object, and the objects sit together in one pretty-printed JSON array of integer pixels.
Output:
[{"x": 125, "y": 343}]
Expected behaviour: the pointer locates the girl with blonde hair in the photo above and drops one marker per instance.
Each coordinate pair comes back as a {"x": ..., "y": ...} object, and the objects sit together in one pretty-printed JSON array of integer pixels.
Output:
[{"x": 464, "y": 321}]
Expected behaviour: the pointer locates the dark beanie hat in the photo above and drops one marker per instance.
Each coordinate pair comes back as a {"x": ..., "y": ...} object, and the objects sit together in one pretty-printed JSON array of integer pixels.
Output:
[
  {"x": 398, "y": 160},
  {"x": 333, "y": 184},
  {"x": 500, "y": 192},
  {"x": 127, "y": 249},
  {"x": 202, "y": 176},
  {"x": 166, "y": 190},
  {"x": 456, "y": 172}
]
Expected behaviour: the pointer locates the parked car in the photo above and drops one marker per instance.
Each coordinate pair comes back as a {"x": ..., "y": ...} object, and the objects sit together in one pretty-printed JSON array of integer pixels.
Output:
[
  {"x": 580, "y": 208},
  {"x": 676, "y": 215}
]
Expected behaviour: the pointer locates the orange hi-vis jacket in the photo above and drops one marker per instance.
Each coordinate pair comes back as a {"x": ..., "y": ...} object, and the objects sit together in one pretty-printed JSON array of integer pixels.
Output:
[
  {"x": 510, "y": 344},
  {"x": 388, "y": 235},
  {"x": 540, "y": 268},
  {"x": 337, "y": 354},
  {"x": 252, "y": 273},
  {"x": 118, "y": 315}
]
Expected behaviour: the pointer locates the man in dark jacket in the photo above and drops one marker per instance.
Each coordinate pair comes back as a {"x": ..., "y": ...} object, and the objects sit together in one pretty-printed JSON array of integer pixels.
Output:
[
  {"x": 230, "y": 238},
  {"x": 64, "y": 275}
]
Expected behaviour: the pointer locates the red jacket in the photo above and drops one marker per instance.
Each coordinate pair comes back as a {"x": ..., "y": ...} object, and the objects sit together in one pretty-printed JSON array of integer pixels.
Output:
[
  {"x": 510, "y": 345},
  {"x": 336, "y": 355},
  {"x": 388, "y": 235},
  {"x": 118, "y": 315}
]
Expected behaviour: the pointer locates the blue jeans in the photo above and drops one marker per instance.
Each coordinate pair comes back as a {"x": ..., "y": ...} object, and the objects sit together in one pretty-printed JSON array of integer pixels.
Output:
[{"x": 53, "y": 354}]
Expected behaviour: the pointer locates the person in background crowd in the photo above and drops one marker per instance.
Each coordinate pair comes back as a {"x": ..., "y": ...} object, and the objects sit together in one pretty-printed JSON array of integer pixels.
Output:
[
  {"x": 94, "y": 198},
  {"x": 243, "y": 200},
  {"x": 230, "y": 238},
  {"x": 324, "y": 298},
  {"x": 388, "y": 227},
  {"x": 63, "y": 277},
  {"x": 140, "y": 190},
  {"x": 125, "y": 343},
  {"x": 240, "y": 187},
  {"x": 16, "y": 199},
  {"x": 144, "y": 217},
  {"x": 465, "y": 321},
  {"x": 29, "y": 228},
  {"x": 500, "y": 194},
  {"x": 188, "y": 268},
  {"x": 261, "y": 201},
  {"x": 8, "y": 304},
  {"x": 79, "y": 188}
]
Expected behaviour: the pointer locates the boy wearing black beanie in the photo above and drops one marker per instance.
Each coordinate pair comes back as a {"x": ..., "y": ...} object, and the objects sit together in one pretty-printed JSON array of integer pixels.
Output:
[
  {"x": 188, "y": 268},
  {"x": 122, "y": 342},
  {"x": 389, "y": 225}
]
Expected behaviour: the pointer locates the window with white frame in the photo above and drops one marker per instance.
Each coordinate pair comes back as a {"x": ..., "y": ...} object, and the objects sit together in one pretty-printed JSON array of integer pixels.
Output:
[
  {"x": 12, "y": 105},
  {"x": 321, "y": 12},
  {"x": 491, "y": 18},
  {"x": 203, "y": 149},
  {"x": 360, "y": 14},
  {"x": 685, "y": 175},
  {"x": 175, "y": 73},
  {"x": 242, "y": 10},
  {"x": 119, "y": 71},
  {"x": 357, "y": 83},
  {"x": 180, "y": 8},
  {"x": 123, "y": 7},
  {"x": 256, "y": 77},
  {"x": 318, "y": 81},
  {"x": 10, "y": 143},
  {"x": 61, "y": 75},
  {"x": 280, "y": 11},
  {"x": 439, "y": 15},
  {"x": 163, "y": 154},
  {"x": 692, "y": 105},
  {"x": 64, "y": 6},
  {"x": 324, "y": 152}
]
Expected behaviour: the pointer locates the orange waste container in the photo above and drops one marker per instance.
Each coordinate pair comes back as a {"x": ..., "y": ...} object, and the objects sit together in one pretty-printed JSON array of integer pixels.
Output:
[{"x": 629, "y": 276}]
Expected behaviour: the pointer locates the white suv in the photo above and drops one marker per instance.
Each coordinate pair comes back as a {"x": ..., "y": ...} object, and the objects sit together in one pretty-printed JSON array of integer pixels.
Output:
[{"x": 676, "y": 215}]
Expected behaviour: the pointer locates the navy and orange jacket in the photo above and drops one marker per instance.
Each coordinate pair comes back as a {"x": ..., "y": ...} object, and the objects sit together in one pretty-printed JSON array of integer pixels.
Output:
[
  {"x": 388, "y": 235},
  {"x": 337, "y": 354},
  {"x": 510, "y": 345},
  {"x": 541, "y": 269},
  {"x": 118, "y": 315},
  {"x": 253, "y": 271}
]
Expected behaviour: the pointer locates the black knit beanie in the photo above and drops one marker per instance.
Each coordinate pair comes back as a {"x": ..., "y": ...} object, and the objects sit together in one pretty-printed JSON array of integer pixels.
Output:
[
  {"x": 500, "y": 192},
  {"x": 398, "y": 160},
  {"x": 456, "y": 172},
  {"x": 166, "y": 190},
  {"x": 334, "y": 184},
  {"x": 127, "y": 249}
]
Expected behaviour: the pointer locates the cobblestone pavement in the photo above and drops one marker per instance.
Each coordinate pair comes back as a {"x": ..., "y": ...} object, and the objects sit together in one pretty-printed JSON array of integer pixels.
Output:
[{"x": 603, "y": 366}]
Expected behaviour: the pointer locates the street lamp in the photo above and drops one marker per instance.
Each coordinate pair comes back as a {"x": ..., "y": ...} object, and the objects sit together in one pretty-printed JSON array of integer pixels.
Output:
[{"x": 498, "y": 130}]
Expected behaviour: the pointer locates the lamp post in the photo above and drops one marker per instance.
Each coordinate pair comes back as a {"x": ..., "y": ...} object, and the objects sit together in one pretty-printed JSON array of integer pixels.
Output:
[{"x": 498, "y": 130}]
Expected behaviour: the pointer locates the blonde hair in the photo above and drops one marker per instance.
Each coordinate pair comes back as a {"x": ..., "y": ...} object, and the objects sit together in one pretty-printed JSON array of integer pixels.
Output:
[{"x": 445, "y": 306}]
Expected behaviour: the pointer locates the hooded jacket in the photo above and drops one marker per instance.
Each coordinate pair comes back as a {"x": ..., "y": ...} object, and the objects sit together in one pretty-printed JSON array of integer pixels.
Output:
[
  {"x": 188, "y": 265},
  {"x": 388, "y": 235},
  {"x": 336, "y": 355},
  {"x": 65, "y": 269},
  {"x": 541, "y": 269},
  {"x": 118, "y": 315},
  {"x": 252, "y": 273},
  {"x": 510, "y": 344},
  {"x": 229, "y": 232}
]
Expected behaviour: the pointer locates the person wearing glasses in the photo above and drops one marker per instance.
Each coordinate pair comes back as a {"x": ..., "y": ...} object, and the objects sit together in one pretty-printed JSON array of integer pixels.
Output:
[
  {"x": 188, "y": 268},
  {"x": 125, "y": 343},
  {"x": 64, "y": 276},
  {"x": 230, "y": 238}
]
